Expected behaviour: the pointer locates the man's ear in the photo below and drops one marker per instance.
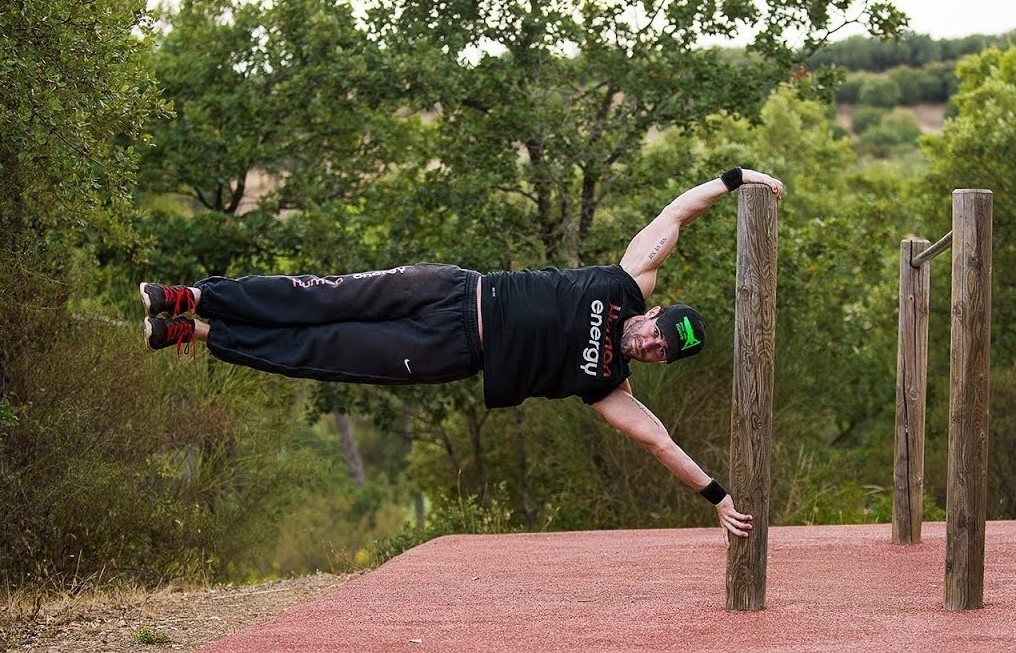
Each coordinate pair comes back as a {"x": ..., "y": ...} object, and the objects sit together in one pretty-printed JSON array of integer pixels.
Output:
[{"x": 653, "y": 312}]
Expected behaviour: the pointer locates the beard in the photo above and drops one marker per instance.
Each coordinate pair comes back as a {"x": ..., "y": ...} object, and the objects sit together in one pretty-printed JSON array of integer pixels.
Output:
[{"x": 628, "y": 336}]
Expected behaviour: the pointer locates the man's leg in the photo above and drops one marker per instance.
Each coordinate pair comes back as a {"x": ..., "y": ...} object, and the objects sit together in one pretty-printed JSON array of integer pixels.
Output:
[
  {"x": 437, "y": 344},
  {"x": 380, "y": 353},
  {"x": 310, "y": 300}
]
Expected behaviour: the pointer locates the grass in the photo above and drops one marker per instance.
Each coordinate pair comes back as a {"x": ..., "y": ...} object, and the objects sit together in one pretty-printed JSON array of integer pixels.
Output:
[
  {"x": 24, "y": 610},
  {"x": 146, "y": 635}
]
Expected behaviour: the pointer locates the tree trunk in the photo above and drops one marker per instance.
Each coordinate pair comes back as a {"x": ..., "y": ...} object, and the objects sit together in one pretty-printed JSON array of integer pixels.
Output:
[
  {"x": 542, "y": 186},
  {"x": 481, "y": 471},
  {"x": 564, "y": 248},
  {"x": 589, "y": 183},
  {"x": 523, "y": 479},
  {"x": 418, "y": 509},
  {"x": 353, "y": 462}
]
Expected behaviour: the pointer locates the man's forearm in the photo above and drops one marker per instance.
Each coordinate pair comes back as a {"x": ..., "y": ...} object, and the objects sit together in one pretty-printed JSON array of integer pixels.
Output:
[
  {"x": 692, "y": 203},
  {"x": 627, "y": 414},
  {"x": 679, "y": 463}
]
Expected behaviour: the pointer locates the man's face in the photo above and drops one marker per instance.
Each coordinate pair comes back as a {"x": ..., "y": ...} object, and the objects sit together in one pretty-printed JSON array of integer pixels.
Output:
[{"x": 642, "y": 340}]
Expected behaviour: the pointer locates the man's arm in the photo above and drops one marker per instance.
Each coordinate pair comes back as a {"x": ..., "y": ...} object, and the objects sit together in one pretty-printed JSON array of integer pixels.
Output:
[
  {"x": 627, "y": 414},
  {"x": 651, "y": 246}
]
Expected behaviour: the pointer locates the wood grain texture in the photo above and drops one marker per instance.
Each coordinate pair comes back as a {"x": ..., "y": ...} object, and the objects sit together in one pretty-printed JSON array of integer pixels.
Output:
[
  {"x": 970, "y": 361},
  {"x": 752, "y": 404},
  {"x": 911, "y": 394}
]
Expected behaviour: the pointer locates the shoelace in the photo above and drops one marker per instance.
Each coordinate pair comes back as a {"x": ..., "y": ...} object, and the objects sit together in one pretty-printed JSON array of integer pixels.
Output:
[
  {"x": 183, "y": 333},
  {"x": 179, "y": 297}
]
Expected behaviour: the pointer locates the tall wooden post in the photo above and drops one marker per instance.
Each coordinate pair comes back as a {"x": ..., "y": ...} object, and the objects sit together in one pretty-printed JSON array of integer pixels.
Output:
[
  {"x": 751, "y": 416},
  {"x": 970, "y": 362},
  {"x": 911, "y": 394}
]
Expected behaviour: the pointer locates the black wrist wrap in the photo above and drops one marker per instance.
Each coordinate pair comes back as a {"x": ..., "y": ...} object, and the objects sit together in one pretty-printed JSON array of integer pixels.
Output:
[
  {"x": 732, "y": 178},
  {"x": 713, "y": 492}
]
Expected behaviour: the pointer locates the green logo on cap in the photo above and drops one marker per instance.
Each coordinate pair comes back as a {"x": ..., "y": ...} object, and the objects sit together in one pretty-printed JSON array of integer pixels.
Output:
[{"x": 687, "y": 334}]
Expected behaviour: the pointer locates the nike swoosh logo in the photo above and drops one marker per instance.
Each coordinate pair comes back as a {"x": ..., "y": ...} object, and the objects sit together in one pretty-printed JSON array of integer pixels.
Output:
[{"x": 407, "y": 366}]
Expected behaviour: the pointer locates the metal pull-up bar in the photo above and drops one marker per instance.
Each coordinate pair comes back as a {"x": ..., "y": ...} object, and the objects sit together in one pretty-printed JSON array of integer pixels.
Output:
[{"x": 943, "y": 244}]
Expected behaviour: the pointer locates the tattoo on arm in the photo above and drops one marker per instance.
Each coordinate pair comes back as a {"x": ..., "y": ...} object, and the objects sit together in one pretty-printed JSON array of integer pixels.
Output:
[
  {"x": 648, "y": 413},
  {"x": 658, "y": 247}
]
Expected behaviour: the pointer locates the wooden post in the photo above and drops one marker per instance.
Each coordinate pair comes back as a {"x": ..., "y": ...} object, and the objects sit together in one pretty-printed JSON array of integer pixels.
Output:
[
  {"x": 911, "y": 393},
  {"x": 970, "y": 361},
  {"x": 751, "y": 415}
]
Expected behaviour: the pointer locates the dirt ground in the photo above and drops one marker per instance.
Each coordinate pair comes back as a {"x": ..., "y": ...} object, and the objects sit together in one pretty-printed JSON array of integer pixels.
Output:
[{"x": 172, "y": 619}]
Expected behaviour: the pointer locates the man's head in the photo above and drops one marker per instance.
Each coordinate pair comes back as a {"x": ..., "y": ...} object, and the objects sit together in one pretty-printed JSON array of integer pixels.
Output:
[
  {"x": 660, "y": 335},
  {"x": 682, "y": 327}
]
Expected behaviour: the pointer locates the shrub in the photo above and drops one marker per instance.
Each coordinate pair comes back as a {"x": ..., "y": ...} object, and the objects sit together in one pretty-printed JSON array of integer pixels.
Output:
[
  {"x": 849, "y": 91},
  {"x": 910, "y": 82},
  {"x": 146, "y": 635},
  {"x": 866, "y": 117},
  {"x": 879, "y": 92},
  {"x": 120, "y": 462},
  {"x": 897, "y": 130},
  {"x": 449, "y": 516}
]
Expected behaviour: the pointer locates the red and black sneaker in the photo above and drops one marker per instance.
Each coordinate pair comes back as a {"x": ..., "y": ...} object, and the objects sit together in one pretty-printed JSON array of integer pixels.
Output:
[
  {"x": 164, "y": 332},
  {"x": 169, "y": 300}
]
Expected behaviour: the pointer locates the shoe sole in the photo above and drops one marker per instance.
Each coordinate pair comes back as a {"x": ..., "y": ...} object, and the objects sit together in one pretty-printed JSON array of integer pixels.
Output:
[
  {"x": 148, "y": 333},
  {"x": 145, "y": 299}
]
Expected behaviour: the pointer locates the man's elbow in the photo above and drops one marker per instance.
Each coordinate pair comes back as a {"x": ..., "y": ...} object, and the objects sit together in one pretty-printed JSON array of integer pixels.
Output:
[{"x": 653, "y": 442}]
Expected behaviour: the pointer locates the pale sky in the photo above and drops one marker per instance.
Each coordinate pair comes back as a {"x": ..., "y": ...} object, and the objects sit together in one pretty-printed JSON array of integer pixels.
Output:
[
  {"x": 940, "y": 19},
  {"x": 949, "y": 19}
]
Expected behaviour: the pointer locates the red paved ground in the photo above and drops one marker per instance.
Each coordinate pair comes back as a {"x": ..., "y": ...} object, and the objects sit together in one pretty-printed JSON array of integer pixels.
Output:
[{"x": 831, "y": 589}]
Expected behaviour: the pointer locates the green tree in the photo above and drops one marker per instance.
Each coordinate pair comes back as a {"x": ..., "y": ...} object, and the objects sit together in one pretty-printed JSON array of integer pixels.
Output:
[
  {"x": 975, "y": 150},
  {"x": 879, "y": 92},
  {"x": 225, "y": 124},
  {"x": 915, "y": 50},
  {"x": 910, "y": 82},
  {"x": 539, "y": 111},
  {"x": 895, "y": 131},
  {"x": 112, "y": 463},
  {"x": 538, "y": 120},
  {"x": 849, "y": 90},
  {"x": 836, "y": 345},
  {"x": 866, "y": 117},
  {"x": 293, "y": 90},
  {"x": 575, "y": 88},
  {"x": 74, "y": 96},
  {"x": 939, "y": 83}
]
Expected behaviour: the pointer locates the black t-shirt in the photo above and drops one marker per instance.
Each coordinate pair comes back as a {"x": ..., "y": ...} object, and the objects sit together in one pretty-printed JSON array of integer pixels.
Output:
[{"x": 555, "y": 333}]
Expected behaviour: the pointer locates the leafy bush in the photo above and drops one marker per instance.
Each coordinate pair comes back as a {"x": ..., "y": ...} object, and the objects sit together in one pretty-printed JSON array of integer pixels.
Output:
[
  {"x": 879, "y": 92},
  {"x": 849, "y": 91},
  {"x": 897, "y": 130},
  {"x": 866, "y": 117},
  {"x": 911, "y": 84},
  {"x": 123, "y": 462},
  {"x": 449, "y": 516}
]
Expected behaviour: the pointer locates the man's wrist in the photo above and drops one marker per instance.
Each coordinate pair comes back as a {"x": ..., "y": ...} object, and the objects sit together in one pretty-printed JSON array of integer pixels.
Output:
[
  {"x": 732, "y": 179},
  {"x": 714, "y": 492}
]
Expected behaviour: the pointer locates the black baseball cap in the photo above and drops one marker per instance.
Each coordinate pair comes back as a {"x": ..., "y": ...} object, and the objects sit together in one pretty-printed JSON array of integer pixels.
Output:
[{"x": 682, "y": 328}]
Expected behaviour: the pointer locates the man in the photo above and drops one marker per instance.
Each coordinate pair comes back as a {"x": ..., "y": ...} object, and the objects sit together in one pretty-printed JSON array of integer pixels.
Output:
[{"x": 548, "y": 333}]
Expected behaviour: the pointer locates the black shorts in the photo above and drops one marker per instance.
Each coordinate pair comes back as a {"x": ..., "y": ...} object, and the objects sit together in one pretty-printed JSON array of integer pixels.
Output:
[{"x": 410, "y": 324}]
